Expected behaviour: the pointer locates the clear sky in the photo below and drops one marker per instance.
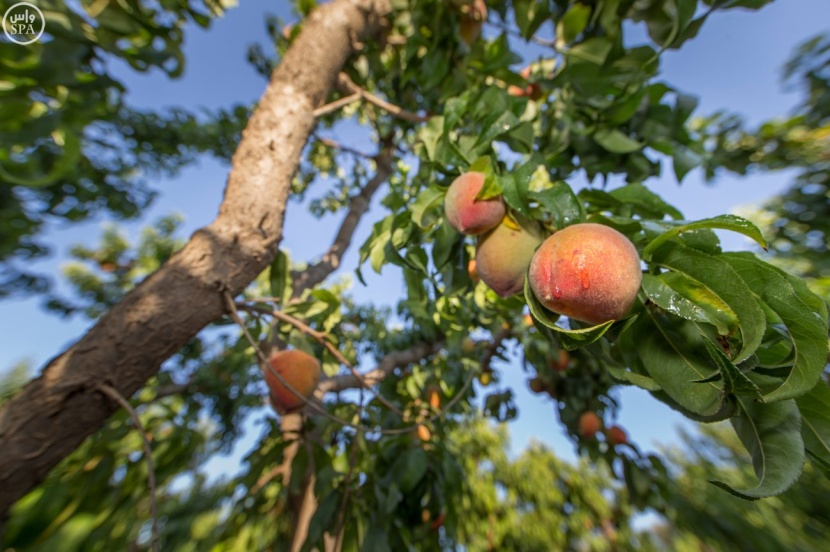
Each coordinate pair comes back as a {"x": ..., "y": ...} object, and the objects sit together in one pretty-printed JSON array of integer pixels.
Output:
[{"x": 734, "y": 65}]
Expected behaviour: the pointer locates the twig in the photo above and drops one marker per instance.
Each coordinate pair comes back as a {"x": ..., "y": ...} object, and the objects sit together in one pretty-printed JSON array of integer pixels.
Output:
[
  {"x": 336, "y": 104},
  {"x": 346, "y": 84},
  {"x": 328, "y": 142},
  {"x": 148, "y": 457},
  {"x": 540, "y": 41},
  {"x": 341, "y": 515}
]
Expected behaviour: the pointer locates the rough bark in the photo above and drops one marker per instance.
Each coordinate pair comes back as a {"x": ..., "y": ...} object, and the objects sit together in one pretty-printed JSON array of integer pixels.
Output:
[{"x": 54, "y": 413}]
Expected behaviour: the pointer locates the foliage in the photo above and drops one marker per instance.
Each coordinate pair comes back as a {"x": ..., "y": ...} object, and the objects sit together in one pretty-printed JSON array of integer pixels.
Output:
[
  {"x": 714, "y": 335},
  {"x": 701, "y": 516},
  {"x": 70, "y": 146}
]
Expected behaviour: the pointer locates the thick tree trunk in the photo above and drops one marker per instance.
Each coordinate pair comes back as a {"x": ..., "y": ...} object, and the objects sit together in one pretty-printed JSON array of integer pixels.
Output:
[{"x": 54, "y": 413}]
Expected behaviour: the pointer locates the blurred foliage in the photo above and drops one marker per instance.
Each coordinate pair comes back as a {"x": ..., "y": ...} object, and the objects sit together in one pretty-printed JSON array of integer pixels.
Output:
[
  {"x": 703, "y": 518},
  {"x": 714, "y": 335},
  {"x": 795, "y": 222},
  {"x": 70, "y": 146}
]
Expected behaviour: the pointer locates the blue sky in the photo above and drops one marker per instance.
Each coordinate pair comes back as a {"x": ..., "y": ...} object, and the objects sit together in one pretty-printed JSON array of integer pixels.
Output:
[{"x": 734, "y": 65}]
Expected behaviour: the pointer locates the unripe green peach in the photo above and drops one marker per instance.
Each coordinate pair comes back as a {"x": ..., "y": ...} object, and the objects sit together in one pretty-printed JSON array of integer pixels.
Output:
[
  {"x": 587, "y": 271},
  {"x": 300, "y": 370},
  {"x": 504, "y": 253},
  {"x": 467, "y": 214}
]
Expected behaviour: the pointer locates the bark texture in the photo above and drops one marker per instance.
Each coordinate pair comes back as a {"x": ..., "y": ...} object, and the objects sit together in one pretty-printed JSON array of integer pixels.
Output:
[{"x": 54, "y": 413}]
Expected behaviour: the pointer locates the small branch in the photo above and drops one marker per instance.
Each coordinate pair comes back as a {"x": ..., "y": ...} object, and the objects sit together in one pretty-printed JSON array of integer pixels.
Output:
[
  {"x": 341, "y": 514},
  {"x": 346, "y": 84},
  {"x": 516, "y": 33},
  {"x": 173, "y": 389},
  {"x": 336, "y": 104},
  {"x": 358, "y": 206},
  {"x": 328, "y": 142},
  {"x": 387, "y": 365},
  {"x": 148, "y": 457}
]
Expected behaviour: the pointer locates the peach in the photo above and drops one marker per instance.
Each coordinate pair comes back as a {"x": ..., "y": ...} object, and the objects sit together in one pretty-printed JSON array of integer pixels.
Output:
[
  {"x": 589, "y": 424},
  {"x": 300, "y": 370},
  {"x": 536, "y": 385},
  {"x": 467, "y": 214},
  {"x": 562, "y": 361},
  {"x": 503, "y": 255},
  {"x": 616, "y": 435},
  {"x": 472, "y": 271},
  {"x": 587, "y": 271}
]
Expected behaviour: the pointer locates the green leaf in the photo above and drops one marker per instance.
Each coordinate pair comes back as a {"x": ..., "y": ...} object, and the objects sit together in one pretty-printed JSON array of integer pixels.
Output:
[
  {"x": 771, "y": 434},
  {"x": 615, "y": 141},
  {"x": 649, "y": 203},
  {"x": 735, "y": 381},
  {"x": 515, "y": 189},
  {"x": 424, "y": 209},
  {"x": 683, "y": 297},
  {"x": 561, "y": 203},
  {"x": 815, "y": 422},
  {"x": 624, "y": 376},
  {"x": 572, "y": 24},
  {"x": 803, "y": 313},
  {"x": 723, "y": 281},
  {"x": 503, "y": 124},
  {"x": 279, "y": 276},
  {"x": 669, "y": 349},
  {"x": 569, "y": 339},
  {"x": 683, "y": 161},
  {"x": 430, "y": 134},
  {"x": 593, "y": 50},
  {"x": 411, "y": 468},
  {"x": 725, "y": 222}
]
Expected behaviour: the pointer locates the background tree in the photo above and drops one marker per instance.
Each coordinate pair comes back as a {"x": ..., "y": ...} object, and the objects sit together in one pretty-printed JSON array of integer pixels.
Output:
[{"x": 714, "y": 335}]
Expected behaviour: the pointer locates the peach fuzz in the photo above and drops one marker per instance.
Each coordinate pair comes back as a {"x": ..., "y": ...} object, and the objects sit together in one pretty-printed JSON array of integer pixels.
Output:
[{"x": 588, "y": 272}]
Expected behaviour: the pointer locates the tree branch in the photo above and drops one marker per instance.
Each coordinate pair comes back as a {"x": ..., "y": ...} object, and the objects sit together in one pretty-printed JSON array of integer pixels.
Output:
[
  {"x": 148, "y": 458},
  {"x": 54, "y": 413},
  {"x": 387, "y": 365},
  {"x": 358, "y": 206},
  {"x": 346, "y": 84}
]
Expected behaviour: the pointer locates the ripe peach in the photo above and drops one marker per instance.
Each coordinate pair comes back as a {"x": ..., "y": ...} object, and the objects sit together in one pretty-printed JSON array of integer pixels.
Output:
[
  {"x": 300, "y": 370},
  {"x": 503, "y": 255},
  {"x": 532, "y": 90},
  {"x": 616, "y": 436},
  {"x": 472, "y": 21},
  {"x": 473, "y": 272},
  {"x": 467, "y": 214},
  {"x": 560, "y": 364},
  {"x": 434, "y": 397},
  {"x": 589, "y": 425},
  {"x": 587, "y": 271},
  {"x": 536, "y": 385}
]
